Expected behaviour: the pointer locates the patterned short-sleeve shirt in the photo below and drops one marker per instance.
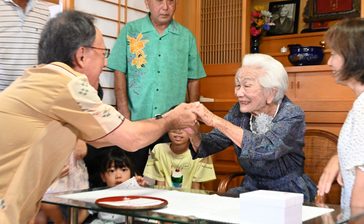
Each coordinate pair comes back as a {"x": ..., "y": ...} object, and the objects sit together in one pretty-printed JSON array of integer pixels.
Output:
[
  {"x": 42, "y": 114},
  {"x": 157, "y": 67},
  {"x": 20, "y": 32}
]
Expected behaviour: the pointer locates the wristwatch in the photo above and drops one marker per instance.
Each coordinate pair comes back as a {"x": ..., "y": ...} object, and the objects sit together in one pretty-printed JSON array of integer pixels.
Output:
[{"x": 158, "y": 116}]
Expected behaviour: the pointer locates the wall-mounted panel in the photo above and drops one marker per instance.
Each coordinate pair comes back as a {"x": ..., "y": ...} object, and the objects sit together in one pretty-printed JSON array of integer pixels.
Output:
[
  {"x": 134, "y": 14},
  {"x": 137, "y": 4},
  {"x": 221, "y": 29},
  {"x": 98, "y": 8},
  {"x": 107, "y": 79},
  {"x": 107, "y": 27}
]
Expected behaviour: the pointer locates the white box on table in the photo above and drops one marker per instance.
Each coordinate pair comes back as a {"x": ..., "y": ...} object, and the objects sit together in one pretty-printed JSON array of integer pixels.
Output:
[{"x": 272, "y": 207}]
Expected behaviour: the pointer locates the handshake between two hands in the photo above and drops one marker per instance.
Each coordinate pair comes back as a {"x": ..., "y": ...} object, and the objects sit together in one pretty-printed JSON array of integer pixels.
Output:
[{"x": 188, "y": 115}]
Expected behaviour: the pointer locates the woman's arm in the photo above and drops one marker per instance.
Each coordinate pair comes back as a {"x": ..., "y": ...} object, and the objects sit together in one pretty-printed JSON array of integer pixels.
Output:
[
  {"x": 285, "y": 135},
  {"x": 232, "y": 131},
  {"x": 208, "y": 143},
  {"x": 357, "y": 194},
  {"x": 331, "y": 171}
]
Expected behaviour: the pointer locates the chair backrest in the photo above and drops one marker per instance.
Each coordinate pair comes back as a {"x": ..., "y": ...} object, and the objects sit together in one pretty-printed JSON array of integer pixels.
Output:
[{"x": 320, "y": 146}]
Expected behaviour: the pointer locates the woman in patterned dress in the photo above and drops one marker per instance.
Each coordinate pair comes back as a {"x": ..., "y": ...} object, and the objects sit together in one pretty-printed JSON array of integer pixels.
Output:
[
  {"x": 347, "y": 63},
  {"x": 265, "y": 128}
]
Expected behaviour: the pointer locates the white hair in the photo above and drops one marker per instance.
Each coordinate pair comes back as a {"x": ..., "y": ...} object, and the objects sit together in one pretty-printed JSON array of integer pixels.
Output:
[{"x": 275, "y": 75}]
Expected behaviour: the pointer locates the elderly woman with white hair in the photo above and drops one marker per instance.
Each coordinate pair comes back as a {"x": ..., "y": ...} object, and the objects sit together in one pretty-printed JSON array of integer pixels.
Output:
[{"x": 265, "y": 128}]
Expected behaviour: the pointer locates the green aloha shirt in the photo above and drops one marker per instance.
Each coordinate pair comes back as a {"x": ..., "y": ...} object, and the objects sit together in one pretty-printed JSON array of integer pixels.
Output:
[{"x": 157, "y": 66}]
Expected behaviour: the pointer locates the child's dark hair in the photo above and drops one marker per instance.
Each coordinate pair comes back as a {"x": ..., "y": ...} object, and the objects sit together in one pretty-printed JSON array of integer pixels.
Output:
[{"x": 119, "y": 159}]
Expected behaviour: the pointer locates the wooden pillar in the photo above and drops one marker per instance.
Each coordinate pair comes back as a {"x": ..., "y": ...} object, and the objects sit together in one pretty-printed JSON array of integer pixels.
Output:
[
  {"x": 245, "y": 48},
  {"x": 188, "y": 13},
  {"x": 68, "y": 4}
]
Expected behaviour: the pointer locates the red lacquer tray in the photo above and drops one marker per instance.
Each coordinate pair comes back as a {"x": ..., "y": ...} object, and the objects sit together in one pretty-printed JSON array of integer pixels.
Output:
[{"x": 132, "y": 202}]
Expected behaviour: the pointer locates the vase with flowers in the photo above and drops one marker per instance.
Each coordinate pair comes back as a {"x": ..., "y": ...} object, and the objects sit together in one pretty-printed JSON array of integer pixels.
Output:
[{"x": 261, "y": 21}]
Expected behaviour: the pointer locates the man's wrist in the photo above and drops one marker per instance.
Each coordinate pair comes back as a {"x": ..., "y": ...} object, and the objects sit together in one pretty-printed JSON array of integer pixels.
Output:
[
  {"x": 158, "y": 116},
  {"x": 167, "y": 123}
]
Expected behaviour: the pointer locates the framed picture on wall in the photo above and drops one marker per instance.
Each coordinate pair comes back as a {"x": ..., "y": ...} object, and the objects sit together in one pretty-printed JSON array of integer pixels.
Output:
[
  {"x": 284, "y": 16},
  {"x": 323, "y": 10}
]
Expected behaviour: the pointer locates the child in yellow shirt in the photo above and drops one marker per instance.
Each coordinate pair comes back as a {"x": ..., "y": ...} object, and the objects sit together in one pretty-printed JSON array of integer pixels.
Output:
[{"x": 171, "y": 164}]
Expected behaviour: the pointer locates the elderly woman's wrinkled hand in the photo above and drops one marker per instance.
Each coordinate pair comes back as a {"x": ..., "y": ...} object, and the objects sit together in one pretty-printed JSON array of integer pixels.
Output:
[
  {"x": 193, "y": 130},
  {"x": 204, "y": 114}
]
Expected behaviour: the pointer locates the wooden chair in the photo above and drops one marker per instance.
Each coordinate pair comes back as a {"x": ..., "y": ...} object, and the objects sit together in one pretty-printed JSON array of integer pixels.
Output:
[
  {"x": 227, "y": 182},
  {"x": 320, "y": 146}
]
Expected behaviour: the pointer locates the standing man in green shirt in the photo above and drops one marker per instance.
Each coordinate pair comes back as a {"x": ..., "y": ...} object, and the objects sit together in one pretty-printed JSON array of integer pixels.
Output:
[{"x": 156, "y": 65}]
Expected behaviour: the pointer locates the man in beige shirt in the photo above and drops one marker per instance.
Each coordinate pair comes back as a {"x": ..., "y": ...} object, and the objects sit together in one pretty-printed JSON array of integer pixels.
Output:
[{"x": 44, "y": 112}]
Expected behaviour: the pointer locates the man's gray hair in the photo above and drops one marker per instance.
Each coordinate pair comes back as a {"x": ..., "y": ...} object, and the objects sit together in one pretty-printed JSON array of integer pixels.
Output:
[{"x": 63, "y": 35}]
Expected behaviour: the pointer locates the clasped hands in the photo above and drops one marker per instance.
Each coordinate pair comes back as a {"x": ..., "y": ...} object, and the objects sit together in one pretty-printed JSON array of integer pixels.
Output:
[{"x": 188, "y": 115}]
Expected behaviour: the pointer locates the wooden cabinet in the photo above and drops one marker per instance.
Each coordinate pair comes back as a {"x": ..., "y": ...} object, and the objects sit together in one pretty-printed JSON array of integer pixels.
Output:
[
  {"x": 325, "y": 102},
  {"x": 315, "y": 83}
]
